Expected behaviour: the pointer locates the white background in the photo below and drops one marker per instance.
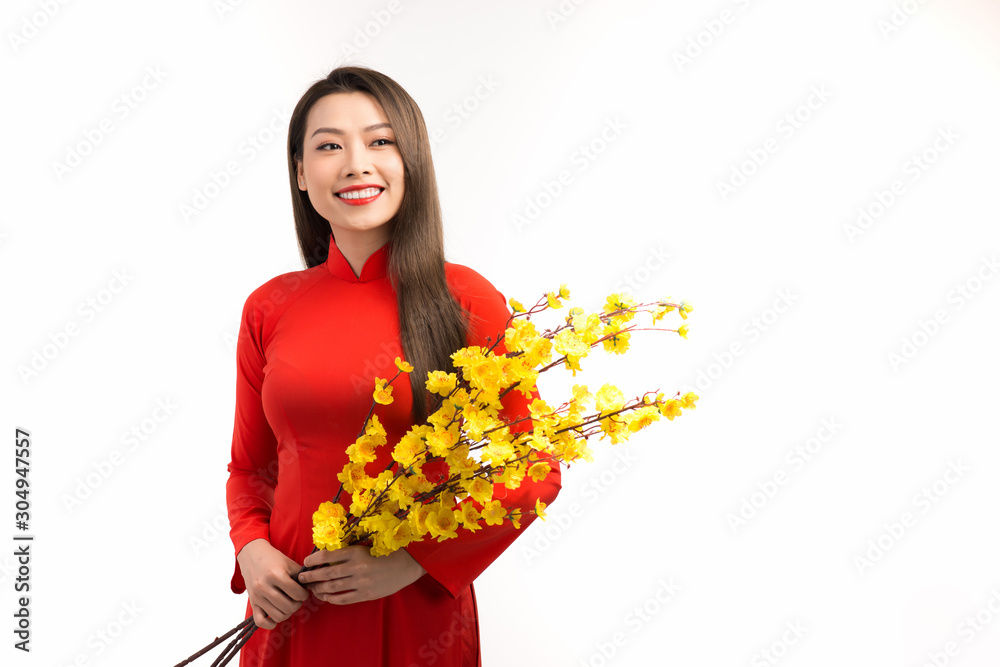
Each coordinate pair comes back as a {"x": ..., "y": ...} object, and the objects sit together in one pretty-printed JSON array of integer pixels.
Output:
[{"x": 847, "y": 95}]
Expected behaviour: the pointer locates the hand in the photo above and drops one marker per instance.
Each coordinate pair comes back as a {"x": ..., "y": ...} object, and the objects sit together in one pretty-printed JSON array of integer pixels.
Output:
[
  {"x": 270, "y": 579},
  {"x": 354, "y": 575}
]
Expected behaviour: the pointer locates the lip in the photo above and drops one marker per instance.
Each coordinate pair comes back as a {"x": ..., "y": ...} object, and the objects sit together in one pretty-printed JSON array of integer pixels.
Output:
[{"x": 362, "y": 186}]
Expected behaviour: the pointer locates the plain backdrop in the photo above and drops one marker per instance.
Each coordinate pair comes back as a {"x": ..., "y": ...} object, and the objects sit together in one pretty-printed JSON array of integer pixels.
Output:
[{"x": 818, "y": 179}]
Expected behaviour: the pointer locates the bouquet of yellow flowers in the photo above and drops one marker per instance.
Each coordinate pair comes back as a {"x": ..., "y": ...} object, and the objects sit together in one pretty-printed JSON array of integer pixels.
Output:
[{"x": 467, "y": 435}]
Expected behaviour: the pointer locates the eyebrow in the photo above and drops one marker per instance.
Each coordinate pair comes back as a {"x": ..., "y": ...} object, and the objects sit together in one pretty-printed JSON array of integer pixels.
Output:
[{"x": 333, "y": 130}]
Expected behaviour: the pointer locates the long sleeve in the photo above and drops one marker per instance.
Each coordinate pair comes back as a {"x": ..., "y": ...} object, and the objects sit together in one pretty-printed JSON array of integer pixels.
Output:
[
  {"x": 456, "y": 562},
  {"x": 253, "y": 468}
]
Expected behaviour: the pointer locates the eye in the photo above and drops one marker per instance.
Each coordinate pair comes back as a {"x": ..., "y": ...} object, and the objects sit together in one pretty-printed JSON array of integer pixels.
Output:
[
  {"x": 383, "y": 142},
  {"x": 322, "y": 146}
]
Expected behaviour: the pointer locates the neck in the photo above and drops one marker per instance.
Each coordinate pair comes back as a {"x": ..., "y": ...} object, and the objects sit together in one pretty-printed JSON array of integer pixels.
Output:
[{"x": 358, "y": 246}]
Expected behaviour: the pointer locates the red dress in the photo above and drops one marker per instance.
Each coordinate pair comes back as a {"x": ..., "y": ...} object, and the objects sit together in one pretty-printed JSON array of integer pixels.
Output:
[{"x": 310, "y": 346}]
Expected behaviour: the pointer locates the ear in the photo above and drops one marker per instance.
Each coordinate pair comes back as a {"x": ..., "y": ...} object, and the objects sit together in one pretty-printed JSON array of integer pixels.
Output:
[{"x": 300, "y": 175}]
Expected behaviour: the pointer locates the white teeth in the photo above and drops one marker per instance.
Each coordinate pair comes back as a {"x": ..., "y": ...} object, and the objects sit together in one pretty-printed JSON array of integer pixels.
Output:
[{"x": 360, "y": 194}]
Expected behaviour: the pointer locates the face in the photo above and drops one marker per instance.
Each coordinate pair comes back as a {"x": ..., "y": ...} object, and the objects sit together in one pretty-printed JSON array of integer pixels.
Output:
[{"x": 351, "y": 167}]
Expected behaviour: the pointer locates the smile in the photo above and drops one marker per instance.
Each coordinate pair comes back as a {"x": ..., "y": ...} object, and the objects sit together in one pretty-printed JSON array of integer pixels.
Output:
[{"x": 359, "y": 197}]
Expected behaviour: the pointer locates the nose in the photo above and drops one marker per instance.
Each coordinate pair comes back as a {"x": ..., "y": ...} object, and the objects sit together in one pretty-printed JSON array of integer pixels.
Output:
[{"x": 357, "y": 162}]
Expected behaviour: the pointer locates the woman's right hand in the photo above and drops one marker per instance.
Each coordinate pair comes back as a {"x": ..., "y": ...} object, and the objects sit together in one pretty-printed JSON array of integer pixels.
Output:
[{"x": 269, "y": 576}]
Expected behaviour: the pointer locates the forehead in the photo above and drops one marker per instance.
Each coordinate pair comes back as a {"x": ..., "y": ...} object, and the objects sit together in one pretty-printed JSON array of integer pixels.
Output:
[{"x": 346, "y": 111}]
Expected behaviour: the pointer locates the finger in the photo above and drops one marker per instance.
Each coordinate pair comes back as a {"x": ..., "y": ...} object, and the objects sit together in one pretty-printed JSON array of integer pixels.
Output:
[
  {"x": 346, "y": 597},
  {"x": 278, "y": 605},
  {"x": 323, "y": 556},
  {"x": 292, "y": 589},
  {"x": 326, "y": 571},
  {"x": 261, "y": 619}
]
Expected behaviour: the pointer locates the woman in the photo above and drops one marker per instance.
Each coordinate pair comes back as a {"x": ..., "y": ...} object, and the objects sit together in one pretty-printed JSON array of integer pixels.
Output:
[{"x": 311, "y": 344}]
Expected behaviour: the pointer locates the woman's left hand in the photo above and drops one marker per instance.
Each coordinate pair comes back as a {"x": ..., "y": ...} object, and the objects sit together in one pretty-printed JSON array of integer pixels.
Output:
[{"x": 355, "y": 575}]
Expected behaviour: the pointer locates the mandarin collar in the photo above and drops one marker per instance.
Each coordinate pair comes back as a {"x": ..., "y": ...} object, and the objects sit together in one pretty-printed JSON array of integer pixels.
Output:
[{"x": 376, "y": 266}]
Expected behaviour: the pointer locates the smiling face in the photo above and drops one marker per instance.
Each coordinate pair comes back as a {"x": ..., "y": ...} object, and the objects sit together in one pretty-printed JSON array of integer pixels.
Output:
[{"x": 351, "y": 167}]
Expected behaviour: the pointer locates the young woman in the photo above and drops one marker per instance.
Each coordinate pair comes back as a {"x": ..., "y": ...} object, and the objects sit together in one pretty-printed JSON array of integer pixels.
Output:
[{"x": 311, "y": 344}]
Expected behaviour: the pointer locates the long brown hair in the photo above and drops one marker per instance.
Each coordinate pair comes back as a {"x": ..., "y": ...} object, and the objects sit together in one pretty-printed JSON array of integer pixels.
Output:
[{"x": 432, "y": 323}]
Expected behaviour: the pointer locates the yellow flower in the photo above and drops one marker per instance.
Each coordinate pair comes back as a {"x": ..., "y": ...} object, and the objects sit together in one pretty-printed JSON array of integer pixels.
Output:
[
  {"x": 671, "y": 409},
  {"x": 642, "y": 417},
  {"x": 614, "y": 428},
  {"x": 617, "y": 340},
  {"x": 683, "y": 331},
  {"x": 468, "y": 516},
  {"x": 539, "y": 508},
  {"x": 485, "y": 374},
  {"x": 516, "y": 305},
  {"x": 684, "y": 309},
  {"x": 519, "y": 335},
  {"x": 477, "y": 420},
  {"x": 569, "y": 343},
  {"x": 553, "y": 299},
  {"x": 564, "y": 291},
  {"x": 581, "y": 395},
  {"x": 382, "y": 393},
  {"x": 480, "y": 489},
  {"x": 360, "y": 500},
  {"x": 408, "y": 448},
  {"x": 609, "y": 398},
  {"x": 586, "y": 326},
  {"x": 329, "y": 534},
  {"x": 439, "y": 441},
  {"x": 539, "y": 471},
  {"x": 494, "y": 513},
  {"x": 354, "y": 477},
  {"x": 400, "y": 536},
  {"x": 510, "y": 476},
  {"x": 688, "y": 399},
  {"x": 460, "y": 463},
  {"x": 441, "y": 523},
  {"x": 620, "y": 302},
  {"x": 497, "y": 452},
  {"x": 439, "y": 382},
  {"x": 403, "y": 366},
  {"x": 468, "y": 355},
  {"x": 362, "y": 450},
  {"x": 419, "y": 518}
]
